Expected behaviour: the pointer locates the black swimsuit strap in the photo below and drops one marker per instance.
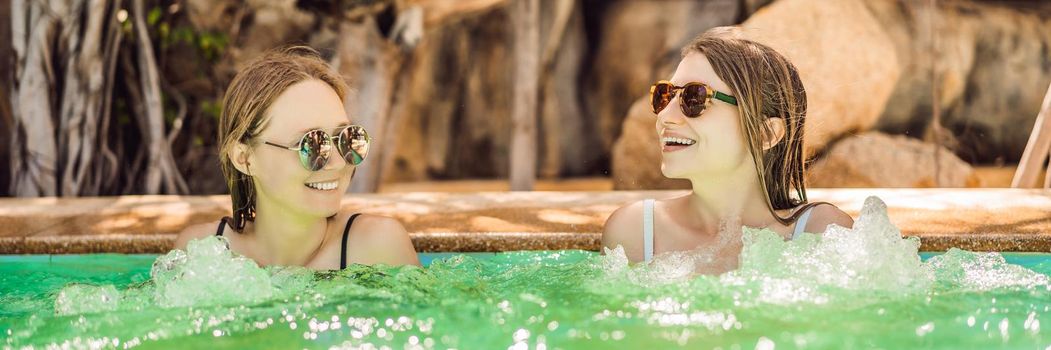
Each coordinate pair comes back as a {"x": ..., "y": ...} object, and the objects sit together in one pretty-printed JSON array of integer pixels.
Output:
[
  {"x": 222, "y": 226},
  {"x": 342, "y": 249},
  {"x": 343, "y": 246}
]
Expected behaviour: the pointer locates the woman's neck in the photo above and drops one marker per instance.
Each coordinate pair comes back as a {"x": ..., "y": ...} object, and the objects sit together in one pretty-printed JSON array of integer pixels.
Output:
[
  {"x": 735, "y": 198},
  {"x": 286, "y": 238}
]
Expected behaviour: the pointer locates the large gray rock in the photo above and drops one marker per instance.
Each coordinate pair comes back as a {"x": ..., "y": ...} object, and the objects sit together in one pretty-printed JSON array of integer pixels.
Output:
[
  {"x": 841, "y": 52},
  {"x": 875, "y": 159},
  {"x": 993, "y": 66}
]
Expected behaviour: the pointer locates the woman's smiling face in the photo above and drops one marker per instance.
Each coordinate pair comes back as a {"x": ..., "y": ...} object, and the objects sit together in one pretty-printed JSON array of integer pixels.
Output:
[
  {"x": 716, "y": 144},
  {"x": 278, "y": 174}
]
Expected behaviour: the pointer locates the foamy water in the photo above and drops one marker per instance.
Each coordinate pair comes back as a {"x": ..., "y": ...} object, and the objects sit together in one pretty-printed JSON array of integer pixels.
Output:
[
  {"x": 870, "y": 257},
  {"x": 862, "y": 287}
]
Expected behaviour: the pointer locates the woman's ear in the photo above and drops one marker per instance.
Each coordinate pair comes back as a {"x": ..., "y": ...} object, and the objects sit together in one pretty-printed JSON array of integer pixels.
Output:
[
  {"x": 239, "y": 156},
  {"x": 775, "y": 128}
]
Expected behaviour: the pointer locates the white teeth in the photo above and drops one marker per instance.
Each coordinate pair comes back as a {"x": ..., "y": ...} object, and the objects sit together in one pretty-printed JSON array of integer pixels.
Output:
[
  {"x": 677, "y": 140},
  {"x": 324, "y": 186}
]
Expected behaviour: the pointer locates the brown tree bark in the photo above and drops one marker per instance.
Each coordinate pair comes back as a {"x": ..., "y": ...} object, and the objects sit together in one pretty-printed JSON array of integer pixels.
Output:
[
  {"x": 162, "y": 176},
  {"x": 569, "y": 139},
  {"x": 61, "y": 139},
  {"x": 440, "y": 12},
  {"x": 380, "y": 67},
  {"x": 526, "y": 21},
  {"x": 33, "y": 145},
  {"x": 375, "y": 64},
  {"x": 83, "y": 95},
  {"x": 6, "y": 54}
]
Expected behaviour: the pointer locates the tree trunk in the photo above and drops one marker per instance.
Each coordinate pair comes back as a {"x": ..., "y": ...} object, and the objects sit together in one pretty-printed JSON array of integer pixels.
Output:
[
  {"x": 568, "y": 139},
  {"x": 60, "y": 141},
  {"x": 378, "y": 63},
  {"x": 82, "y": 98},
  {"x": 526, "y": 22},
  {"x": 162, "y": 176},
  {"x": 33, "y": 144},
  {"x": 107, "y": 169},
  {"x": 363, "y": 53},
  {"x": 6, "y": 52}
]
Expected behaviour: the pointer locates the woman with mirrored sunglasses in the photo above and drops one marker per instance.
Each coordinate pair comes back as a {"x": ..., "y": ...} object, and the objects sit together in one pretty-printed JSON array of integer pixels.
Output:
[
  {"x": 730, "y": 120},
  {"x": 288, "y": 152}
]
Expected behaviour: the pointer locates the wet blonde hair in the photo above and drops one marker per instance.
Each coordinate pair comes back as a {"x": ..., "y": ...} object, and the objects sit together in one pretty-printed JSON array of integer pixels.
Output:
[
  {"x": 245, "y": 106},
  {"x": 766, "y": 85}
]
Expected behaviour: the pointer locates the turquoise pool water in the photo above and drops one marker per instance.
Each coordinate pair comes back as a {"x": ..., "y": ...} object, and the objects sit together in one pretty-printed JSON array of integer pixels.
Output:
[
  {"x": 523, "y": 300},
  {"x": 860, "y": 288}
]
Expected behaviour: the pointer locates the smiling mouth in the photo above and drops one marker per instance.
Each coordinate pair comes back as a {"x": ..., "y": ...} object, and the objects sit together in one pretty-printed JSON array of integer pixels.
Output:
[
  {"x": 323, "y": 186},
  {"x": 677, "y": 141}
]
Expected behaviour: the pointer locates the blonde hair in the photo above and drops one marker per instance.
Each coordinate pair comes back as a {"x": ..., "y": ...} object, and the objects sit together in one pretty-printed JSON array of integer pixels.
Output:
[
  {"x": 766, "y": 85},
  {"x": 246, "y": 102}
]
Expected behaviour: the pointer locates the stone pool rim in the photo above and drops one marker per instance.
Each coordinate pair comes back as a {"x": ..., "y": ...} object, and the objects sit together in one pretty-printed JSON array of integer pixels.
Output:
[{"x": 1005, "y": 220}]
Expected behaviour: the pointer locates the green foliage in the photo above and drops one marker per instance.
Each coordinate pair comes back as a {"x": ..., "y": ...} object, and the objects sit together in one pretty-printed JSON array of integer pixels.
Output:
[
  {"x": 212, "y": 108},
  {"x": 154, "y": 16},
  {"x": 170, "y": 31}
]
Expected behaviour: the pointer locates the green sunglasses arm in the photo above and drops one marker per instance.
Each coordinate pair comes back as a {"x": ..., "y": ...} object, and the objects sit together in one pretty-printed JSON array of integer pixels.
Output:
[{"x": 725, "y": 98}]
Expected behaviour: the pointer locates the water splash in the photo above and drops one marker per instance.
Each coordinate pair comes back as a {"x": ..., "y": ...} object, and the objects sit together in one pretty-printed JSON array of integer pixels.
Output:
[
  {"x": 208, "y": 273},
  {"x": 844, "y": 288},
  {"x": 960, "y": 269},
  {"x": 871, "y": 257},
  {"x": 81, "y": 298}
]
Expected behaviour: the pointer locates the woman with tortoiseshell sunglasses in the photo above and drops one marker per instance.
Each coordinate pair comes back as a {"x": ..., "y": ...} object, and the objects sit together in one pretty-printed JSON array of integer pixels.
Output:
[{"x": 730, "y": 120}]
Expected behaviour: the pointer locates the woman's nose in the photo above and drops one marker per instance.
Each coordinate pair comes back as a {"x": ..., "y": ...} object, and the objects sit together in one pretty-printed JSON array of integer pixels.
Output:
[
  {"x": 335, "y": 160},
  {"x": 671, "y": 114}
]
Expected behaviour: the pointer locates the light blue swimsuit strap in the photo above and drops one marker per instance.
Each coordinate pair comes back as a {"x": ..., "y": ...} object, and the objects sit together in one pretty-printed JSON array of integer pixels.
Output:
[
  {"x": 801, "y": 223},
  {"x": 647, "y": 229}
]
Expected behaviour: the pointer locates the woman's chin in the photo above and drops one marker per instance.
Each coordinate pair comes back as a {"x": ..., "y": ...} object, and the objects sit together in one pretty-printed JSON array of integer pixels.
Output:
[
  {"x": 672, "y": 172},
  {"x": 323, "y": 207},
  {"x": 324, "y": 212}
]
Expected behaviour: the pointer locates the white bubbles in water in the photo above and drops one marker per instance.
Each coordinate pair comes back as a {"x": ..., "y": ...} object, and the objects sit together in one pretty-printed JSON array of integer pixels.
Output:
[
  {"x": 614, "y": 260},
  {"x": 82, "y": 298},
  {"x": 673, "y": 267},
  {"x": 166, "y": 266},
  {"x": 870, "y": 257},
  {"x": 663, "y": 269},
  {"x": 981, "y": 271},
  {"x": 209, "y": 273},
  {"x": 206, "y": 273},
  {"x": 290, "y": 280}
]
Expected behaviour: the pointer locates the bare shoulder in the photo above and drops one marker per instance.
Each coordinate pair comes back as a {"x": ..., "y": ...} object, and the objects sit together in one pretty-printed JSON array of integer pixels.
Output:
[
  {"x": 376, "y": 227},
  {"x": 826, "y": 214},
  {"x": 623, "y": 228},
  {"x": 376, "y": 239},
  {"x": 192, "y": 232}
]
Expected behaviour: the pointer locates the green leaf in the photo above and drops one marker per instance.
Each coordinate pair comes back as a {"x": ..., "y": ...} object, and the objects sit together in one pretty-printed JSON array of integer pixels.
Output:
[{"x": 154, "y": 16}]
